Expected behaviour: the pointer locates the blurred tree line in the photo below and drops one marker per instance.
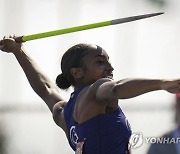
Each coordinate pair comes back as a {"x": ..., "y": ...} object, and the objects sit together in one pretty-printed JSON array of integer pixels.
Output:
[{"x": 2, "y": 140}]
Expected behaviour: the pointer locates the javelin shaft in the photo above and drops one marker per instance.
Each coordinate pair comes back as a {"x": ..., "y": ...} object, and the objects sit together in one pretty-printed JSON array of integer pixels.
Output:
[
  {"x": 65, "y": 31},
  {"x": 83, "y": 27}
]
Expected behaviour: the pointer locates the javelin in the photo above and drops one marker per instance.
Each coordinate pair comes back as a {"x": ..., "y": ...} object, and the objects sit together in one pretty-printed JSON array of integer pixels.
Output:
[{"x": 84, "y": 27}]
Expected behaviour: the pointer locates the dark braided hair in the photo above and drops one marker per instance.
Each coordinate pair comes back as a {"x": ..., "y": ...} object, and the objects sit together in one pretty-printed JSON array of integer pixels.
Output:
[{"x": 72, "y": 58}]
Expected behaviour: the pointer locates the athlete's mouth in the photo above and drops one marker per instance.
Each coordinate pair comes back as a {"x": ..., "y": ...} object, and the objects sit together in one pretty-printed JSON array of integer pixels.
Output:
[{"x": 110, "y": 76}]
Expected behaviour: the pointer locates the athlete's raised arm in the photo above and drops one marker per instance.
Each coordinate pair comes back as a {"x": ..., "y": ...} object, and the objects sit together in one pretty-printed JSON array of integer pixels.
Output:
[{"x": 40, "y": 83}]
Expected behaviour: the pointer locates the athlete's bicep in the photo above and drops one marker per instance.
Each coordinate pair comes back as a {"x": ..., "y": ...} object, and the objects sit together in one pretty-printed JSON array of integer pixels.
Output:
[{"x": 53, "y": 97}]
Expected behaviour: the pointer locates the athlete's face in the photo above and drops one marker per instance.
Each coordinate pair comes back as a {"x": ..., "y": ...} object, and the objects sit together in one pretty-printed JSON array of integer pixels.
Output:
[{"x": 96, "y": 65}]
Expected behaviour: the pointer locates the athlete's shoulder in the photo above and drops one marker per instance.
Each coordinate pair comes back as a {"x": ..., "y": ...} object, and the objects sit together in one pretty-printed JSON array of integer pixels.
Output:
[
  {"x": 99, "y": 82},
  {"x": 57, "y": 111}
]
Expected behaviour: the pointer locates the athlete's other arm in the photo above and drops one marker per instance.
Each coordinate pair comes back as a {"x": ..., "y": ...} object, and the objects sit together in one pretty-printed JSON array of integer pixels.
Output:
[{"x": 128, "y": 88}]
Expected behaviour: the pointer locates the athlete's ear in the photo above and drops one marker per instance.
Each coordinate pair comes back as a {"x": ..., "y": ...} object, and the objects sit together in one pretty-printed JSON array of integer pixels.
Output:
[{"x": 77, "y": 73}]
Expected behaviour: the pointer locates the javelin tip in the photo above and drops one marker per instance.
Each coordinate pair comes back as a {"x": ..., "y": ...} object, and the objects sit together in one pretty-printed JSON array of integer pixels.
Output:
[{"x": 133, "y": 18}]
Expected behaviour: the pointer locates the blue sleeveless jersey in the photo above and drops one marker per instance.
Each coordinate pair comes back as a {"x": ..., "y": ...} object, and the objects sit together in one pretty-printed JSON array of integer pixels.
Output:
[{"x": 102, "y": 134}]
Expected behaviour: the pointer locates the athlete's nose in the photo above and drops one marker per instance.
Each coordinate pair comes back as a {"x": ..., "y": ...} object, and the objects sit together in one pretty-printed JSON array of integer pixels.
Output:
[{"x": 109, "y": 68}]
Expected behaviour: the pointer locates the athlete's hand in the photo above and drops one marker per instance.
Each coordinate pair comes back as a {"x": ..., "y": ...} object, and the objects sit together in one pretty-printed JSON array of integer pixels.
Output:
[
  {"x": 172, "y": 86},
  {"x": 9, "y": 44}
]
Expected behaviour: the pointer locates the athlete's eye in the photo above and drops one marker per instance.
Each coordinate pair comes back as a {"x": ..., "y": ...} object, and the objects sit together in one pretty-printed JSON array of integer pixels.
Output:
[{"x": 100, "y": 62}]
